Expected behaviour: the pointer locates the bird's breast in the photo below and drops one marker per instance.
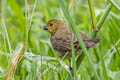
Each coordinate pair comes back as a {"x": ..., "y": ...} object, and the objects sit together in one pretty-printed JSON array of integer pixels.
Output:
[{"x": 60, "y": 46}]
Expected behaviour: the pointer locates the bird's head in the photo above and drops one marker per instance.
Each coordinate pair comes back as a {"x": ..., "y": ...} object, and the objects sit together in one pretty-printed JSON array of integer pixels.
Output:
[{"x": 53, "y": 25}]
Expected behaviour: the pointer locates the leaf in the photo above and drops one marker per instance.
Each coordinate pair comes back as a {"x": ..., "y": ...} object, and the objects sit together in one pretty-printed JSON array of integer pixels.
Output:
[{"x": 34, "y": 57}]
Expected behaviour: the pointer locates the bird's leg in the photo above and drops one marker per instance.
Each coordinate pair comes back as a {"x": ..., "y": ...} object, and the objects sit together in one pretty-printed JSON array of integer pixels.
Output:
[{"x": 70, "y": 67}]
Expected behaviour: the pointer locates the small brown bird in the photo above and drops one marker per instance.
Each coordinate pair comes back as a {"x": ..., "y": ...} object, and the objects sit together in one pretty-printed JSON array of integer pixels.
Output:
[{"x": 60, "y": 38}]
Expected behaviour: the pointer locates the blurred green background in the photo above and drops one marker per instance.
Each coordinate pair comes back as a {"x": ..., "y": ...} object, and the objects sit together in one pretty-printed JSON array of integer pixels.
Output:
[{"x": 22, "y": 22}]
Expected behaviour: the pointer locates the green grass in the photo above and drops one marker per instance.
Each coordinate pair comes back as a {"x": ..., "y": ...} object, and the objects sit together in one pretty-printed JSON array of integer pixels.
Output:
[{"x": 22, "y": 23}]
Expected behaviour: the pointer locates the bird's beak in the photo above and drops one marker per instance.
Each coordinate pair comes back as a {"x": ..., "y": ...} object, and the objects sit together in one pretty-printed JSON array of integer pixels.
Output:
[{"x": 45, "y": 27}]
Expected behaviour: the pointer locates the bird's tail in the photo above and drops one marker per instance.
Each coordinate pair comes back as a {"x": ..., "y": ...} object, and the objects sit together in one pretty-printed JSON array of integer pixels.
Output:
[
  {"x": 92, "y": 42},
  {"x": 96, "y": 40}
]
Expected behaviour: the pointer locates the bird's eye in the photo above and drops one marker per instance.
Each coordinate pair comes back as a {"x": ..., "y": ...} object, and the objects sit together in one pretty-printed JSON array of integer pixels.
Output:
[{"x": 51, "y": 24}]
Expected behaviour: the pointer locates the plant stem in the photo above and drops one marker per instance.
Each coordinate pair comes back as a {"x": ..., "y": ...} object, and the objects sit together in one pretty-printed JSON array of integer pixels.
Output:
[
  {"x": 73, "y": 70},
  {"x": 93, "y": 35},
  {"x": 102, "y": 19},
  {"x": 93, "y": 17}
]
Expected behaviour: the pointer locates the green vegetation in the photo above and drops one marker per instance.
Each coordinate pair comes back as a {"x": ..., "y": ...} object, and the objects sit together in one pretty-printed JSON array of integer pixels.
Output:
[{"x": 25, "y": 49}]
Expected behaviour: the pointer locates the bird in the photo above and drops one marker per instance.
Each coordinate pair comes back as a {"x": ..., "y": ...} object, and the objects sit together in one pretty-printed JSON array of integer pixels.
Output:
[{"x": 60, "y": 38}]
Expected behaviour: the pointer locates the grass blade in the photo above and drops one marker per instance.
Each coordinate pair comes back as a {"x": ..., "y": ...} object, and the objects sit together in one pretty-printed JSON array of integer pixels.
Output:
[
  {"x": 102, "y": 19},
  {"x": 73, "y": 26},
  {"x": 17, "y": 54},
  {"x": 28, "y": 25},
  {"x": 73, "y": 70},
  {"x": 115, "y": 3},
  {"x": 93, "y": 17},
  {"x": 6, "y": 34}
]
